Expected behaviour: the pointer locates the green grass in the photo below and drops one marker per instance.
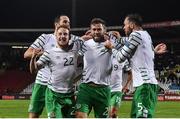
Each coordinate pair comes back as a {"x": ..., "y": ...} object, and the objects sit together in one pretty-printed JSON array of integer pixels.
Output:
[{"x": 18, "y": 108}]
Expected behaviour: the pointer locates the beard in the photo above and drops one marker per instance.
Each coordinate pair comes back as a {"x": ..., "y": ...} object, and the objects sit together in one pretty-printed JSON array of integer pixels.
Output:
[
  {"x": 128, "y": 32},
  {"x": 63, "y": 43},
  {"x": 98, "y": 38}
]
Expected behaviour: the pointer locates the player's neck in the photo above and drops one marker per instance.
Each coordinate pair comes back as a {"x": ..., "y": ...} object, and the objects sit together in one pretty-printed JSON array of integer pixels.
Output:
[
  {"x": 137, "y": 28},
  {"x": 100, "y": 40},
  {"x": 65, "y": 47}
]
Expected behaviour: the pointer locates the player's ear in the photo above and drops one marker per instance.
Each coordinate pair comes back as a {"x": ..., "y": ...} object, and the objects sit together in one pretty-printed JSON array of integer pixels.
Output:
[
  {"x": 131, "y": 25},
  {"x": 55, "y": 25},
  {"x": 70, "y": 35}
]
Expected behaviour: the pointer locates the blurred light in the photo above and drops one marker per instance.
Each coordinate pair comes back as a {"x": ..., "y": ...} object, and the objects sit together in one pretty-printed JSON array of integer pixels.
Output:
[{"x": 19, "y": 47}]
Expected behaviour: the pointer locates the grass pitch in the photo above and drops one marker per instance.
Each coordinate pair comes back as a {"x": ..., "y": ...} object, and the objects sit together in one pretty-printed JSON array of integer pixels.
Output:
[{"x": 18, "y": 109}]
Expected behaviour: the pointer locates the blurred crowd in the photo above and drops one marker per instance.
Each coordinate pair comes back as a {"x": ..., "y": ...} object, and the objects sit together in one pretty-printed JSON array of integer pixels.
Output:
[
  {"x": 167, "y": 70},
  {"x": 12, "y": 59}
]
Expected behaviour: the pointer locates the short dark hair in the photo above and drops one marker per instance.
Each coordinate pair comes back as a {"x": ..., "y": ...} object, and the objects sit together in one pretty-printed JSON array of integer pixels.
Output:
[
  {"x": 97, "y": 21},
  {"x": 58, "y": 17},
  {"x": 135, "y": 18}
]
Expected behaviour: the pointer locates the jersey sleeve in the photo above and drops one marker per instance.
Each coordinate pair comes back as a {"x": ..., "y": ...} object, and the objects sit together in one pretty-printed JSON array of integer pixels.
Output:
[
  {"x": 127, "y": 66},
  {"x": 116, "y": 42},
  {"x": 129, "y": 48},
  {"x": 124, "y": 40},
  {"x": 44, "y": 59},
  {"x": 81, "y": 48},
  {"x": 40, "y": 42}
]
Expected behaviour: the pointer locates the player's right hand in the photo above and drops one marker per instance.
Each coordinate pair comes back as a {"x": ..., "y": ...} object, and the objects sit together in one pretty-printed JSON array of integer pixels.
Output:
[
  {"x": 116, "y": 34},
  {"x": 160, "y": 48},
  {"x": 108, "y": 44},
  {"x": 86, "y": 37},
  {"x": 38, "y": 52},
  {"x": 35, "y": 52},
  {"x": 125, "y": 90}
]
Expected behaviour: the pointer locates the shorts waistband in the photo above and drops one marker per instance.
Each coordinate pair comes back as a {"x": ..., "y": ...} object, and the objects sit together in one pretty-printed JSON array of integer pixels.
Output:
[{"x": 96, "y": 85}]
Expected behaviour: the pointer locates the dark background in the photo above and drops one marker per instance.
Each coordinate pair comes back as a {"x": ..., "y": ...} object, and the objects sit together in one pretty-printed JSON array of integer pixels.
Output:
[
  {"x": 41, "y": 13},
  {"x": 36, "y": 14}
]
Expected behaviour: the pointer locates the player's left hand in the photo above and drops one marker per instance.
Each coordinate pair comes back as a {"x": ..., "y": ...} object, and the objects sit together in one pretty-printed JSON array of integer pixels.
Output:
[
  {"x": 160, "y": 48},
  {"x": 125, "y": 90}
]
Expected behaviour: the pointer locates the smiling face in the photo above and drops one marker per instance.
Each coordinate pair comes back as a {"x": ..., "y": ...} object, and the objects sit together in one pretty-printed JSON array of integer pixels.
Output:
[
  {"x": 62, "y": 36},
  {"x": 97, "y": 31}
]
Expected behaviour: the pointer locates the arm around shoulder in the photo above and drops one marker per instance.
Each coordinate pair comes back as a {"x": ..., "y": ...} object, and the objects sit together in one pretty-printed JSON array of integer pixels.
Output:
[{"x": 29, "y": 52}]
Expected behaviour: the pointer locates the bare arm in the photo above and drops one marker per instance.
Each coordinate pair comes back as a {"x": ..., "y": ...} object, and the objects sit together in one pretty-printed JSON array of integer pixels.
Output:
[
  {"x": 29, "y": 52},
  {"x": 34, "y": 66},
  {"x": 87, "y": 35},
  {"x": 129, "y": 80}
]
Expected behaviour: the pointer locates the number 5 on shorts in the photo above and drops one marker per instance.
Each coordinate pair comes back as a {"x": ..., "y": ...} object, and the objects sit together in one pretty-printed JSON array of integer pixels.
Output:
[{"x": 140, "y": 106}]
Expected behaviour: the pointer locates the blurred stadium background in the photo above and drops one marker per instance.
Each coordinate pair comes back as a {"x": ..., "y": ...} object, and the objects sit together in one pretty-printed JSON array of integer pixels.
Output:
[{"x": 23, "y": 21}]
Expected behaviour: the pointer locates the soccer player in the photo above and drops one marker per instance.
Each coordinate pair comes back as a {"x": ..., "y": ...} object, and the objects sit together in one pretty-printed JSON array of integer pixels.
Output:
[
  {"x": 41, "y": 44},
  {"x": 117, "y": 90},
  {"x": 62, "y": 62},
  {"x": 141, "y": 53},
  {"x": 94, "y": 91},
  {"x": 117, "y": 76}
]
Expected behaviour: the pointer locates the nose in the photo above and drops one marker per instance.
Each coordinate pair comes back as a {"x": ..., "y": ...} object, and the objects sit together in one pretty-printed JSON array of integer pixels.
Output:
[
  {"x": 63, "y": 35},
  {"x": 67, "y": 23},
  {"x": 123, "y": 27},
  {"x": 96, "y": 31}
]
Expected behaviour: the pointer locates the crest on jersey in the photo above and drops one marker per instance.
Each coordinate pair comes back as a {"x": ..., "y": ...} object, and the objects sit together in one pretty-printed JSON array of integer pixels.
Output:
[
  {"x": 30, "y": 107},
  {"x": 57, "y": 57},
  {"x": 51, "y": 114},
  {"x": 52, "y": 45},
  {"x": 104, "y": 50},
  {"x": 78, "y": 106}
]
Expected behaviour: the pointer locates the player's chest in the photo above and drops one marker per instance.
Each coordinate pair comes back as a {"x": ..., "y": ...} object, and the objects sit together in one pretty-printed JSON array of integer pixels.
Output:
[
  {"x": 64, "y": 59},
  {"x": 50, "y": 45}
]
